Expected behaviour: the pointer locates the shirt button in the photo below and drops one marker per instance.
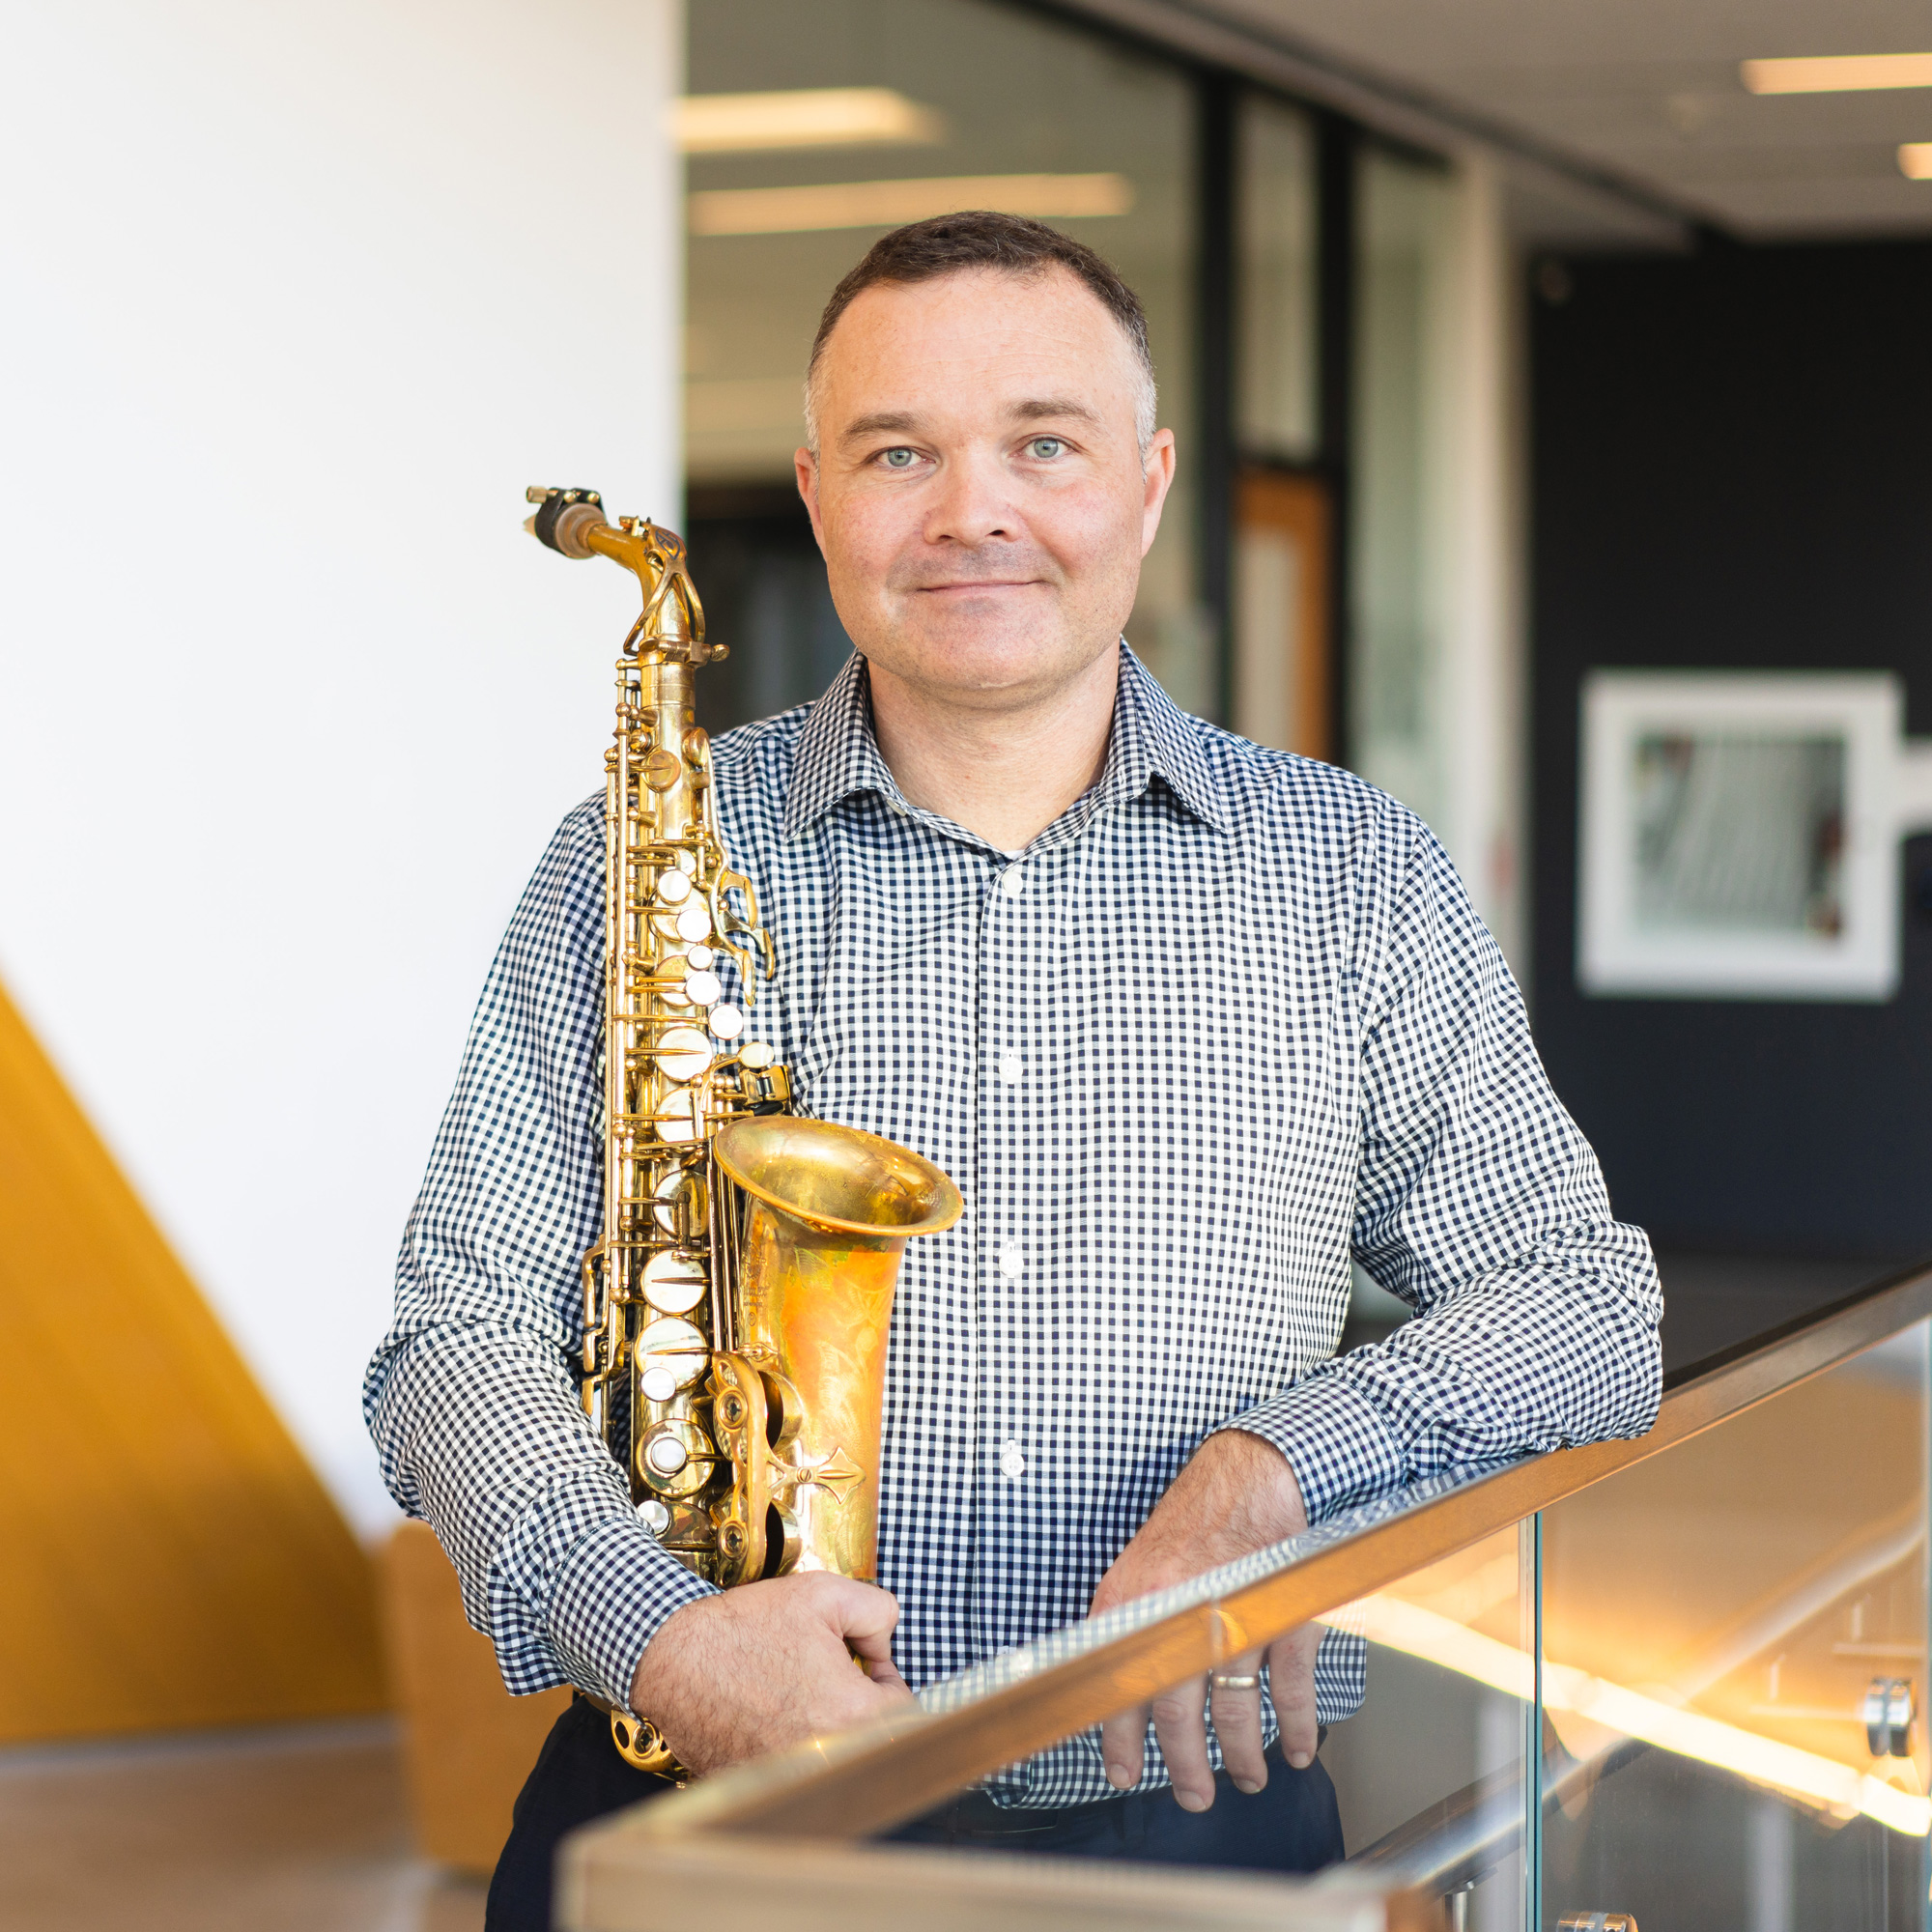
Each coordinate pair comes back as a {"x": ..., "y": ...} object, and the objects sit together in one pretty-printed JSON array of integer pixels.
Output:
[
  {"x": 1013, "y": 1461},
  {"x": 1013, "y": 881},
  {"x": 1011, "y": 1069},
  {"x": 1011, "y": 1262}
]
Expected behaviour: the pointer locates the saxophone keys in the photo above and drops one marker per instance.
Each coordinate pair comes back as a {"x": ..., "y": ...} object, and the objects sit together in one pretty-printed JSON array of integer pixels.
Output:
[
  {"x": 703, "y": 989},
  {"x": 674, "y": 1458},
  {"x": 678, "y": 1119},
  {"x": 680, "y": 1202},
  {"x": 675, "y": 1282},
  {"x": 694, "y": 924},
  {"x": 682, "y": 1051},
  {"x": 673, "y": 887},
  {"x": 671, "y": 1355},
  {"x": 727, "y": 1021}
]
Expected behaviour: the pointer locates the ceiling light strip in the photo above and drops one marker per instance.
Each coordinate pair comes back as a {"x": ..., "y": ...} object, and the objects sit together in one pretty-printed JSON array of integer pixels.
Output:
[
  {"x": 1836, "y": 73},
  {"x": 804, "y": 117},
  {"x": 888, "y": 204}
]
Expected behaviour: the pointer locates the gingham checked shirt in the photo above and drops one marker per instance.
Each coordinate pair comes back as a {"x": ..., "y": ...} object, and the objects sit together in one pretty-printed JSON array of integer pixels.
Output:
[{"x": 1225, "y": 1024}]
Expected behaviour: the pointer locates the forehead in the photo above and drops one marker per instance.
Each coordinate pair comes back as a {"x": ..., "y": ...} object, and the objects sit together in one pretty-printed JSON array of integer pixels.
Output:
[{"x": 977, "y": 336}]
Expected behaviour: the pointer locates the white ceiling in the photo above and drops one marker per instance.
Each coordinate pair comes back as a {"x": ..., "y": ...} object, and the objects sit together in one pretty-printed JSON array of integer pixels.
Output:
[{"x": 1649, "y": 90}]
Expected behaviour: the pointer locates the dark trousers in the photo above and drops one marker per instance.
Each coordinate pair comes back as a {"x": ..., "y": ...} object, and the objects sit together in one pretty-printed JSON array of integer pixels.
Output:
[{"x": 1291, "y": 1826}]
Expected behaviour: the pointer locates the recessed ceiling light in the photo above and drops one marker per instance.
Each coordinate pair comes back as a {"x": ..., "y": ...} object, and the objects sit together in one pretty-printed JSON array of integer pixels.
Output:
[
  {"x": 805, "y": 117},
  {"x": 889, "y": 204},
  {"x": 1836, "y": 73},
  {"x": 1915, "y": 160}
]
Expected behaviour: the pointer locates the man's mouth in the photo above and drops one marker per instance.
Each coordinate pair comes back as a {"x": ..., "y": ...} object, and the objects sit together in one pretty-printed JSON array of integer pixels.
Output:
[{"x": 966, "y": 587}]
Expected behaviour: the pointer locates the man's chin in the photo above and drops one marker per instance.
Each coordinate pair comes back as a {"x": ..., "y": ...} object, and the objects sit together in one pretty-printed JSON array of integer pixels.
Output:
[{"x": 976, "y": 671}]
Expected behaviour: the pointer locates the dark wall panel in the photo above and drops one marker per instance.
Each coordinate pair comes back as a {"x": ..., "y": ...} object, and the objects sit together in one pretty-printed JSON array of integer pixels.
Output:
[{"x": 1733, "y": 470}]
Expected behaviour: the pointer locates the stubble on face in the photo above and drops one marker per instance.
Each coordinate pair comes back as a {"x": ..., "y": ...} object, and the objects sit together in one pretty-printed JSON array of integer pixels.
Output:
[{"x": 980, "y": 491}]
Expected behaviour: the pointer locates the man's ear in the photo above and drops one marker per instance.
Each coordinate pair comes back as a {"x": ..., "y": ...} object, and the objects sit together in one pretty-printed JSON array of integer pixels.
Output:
[{"x": 804, "y": 468}]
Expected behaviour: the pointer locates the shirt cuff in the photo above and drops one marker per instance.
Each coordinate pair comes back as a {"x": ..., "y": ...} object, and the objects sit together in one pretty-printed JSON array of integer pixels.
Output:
[
  {"x": 615, "y": 1591},
  {"x": 1334, "y": 1439},
  {"x": 579, "y": 1588}
]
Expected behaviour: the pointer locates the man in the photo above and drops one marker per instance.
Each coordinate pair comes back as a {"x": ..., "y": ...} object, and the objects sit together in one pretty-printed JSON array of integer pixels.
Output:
[{"x": 1189, "y": 1022}]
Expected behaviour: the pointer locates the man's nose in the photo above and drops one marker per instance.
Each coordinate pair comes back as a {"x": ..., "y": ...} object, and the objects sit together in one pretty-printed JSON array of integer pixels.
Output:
[{"x": 972, "y": 502}]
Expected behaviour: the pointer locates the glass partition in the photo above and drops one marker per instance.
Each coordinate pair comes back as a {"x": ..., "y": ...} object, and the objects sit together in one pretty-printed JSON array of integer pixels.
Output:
[
  {"x": 1400, "y": 714},
  {"x": 1275, "y": 302},
  {"x": 1683, "y": 1693},
  {"x": 1733, "y": 1639}
]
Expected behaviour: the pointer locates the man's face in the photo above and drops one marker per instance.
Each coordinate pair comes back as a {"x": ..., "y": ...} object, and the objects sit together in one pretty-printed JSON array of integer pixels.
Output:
[{"x": 978, "y": 491}]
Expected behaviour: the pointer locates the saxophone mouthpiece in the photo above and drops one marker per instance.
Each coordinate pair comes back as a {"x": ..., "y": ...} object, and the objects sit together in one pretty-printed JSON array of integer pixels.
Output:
[{"x": 563, "y": 518}]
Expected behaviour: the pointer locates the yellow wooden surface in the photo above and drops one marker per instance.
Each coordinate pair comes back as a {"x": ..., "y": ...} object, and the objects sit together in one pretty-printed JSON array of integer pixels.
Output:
[
  {"x": 468, "y": 1744},
  {"x": 167, "y": 1557}
]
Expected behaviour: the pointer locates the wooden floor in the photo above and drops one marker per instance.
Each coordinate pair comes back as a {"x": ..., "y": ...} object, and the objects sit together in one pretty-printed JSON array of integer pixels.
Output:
[{"x": 303, "y": 1830}]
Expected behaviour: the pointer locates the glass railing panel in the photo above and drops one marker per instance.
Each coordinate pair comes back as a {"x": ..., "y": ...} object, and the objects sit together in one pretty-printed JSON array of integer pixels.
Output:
[
  {"x": 1734, "y": 1644},
  {"x": 1430, "y": 1771}
]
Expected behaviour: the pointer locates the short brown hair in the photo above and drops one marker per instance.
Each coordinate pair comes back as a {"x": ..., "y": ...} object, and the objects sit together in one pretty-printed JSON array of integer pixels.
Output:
[{"x": 981, "y": 238}]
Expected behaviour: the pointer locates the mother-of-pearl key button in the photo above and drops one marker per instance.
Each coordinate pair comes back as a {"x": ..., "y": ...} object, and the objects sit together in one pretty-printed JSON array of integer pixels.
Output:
[
  {"x": 703, "y": 988},
  {"x": 1012, "y": 1263},
  {"x": 1011, "y": 1069},
  {"x": 1013, "y": 881},
  {"x": 694, "y": 924},
  {"x": 673, "y": 887},
  {"x": 1013, "y": 1461}
]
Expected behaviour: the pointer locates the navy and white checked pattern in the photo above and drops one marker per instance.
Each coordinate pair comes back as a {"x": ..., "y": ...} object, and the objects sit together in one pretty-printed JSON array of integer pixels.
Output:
[{"x": 1227, "y": 1022}]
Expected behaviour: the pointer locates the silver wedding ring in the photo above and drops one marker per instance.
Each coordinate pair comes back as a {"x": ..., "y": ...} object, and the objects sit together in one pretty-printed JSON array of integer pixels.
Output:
[{"x": 1226, "y": 1680}]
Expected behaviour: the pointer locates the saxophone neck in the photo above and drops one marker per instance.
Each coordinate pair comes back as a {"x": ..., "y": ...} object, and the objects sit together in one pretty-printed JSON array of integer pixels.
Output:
[{"x": 671, "y": 622}]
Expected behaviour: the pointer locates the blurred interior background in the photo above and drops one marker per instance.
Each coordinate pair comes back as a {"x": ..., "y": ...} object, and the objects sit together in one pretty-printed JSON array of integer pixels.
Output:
[{"x": 1522, "y": 359}]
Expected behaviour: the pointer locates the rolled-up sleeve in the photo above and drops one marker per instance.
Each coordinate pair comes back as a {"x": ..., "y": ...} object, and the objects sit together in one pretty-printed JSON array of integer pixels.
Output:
[
  {"x": 1480, "y": 1204},
  {"x": 470, "y": 1397}
]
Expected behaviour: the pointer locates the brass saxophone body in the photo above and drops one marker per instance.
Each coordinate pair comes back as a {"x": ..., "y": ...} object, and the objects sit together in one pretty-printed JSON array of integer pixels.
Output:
[{"x": 737, "y": 1300}]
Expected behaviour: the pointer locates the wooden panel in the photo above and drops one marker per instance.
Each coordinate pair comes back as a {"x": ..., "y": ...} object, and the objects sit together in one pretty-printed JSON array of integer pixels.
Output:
[
  {"x": 1283, "y": 649},
  {"x": 170, "y": 1558},
  {"x": 469, "y": 1745}
]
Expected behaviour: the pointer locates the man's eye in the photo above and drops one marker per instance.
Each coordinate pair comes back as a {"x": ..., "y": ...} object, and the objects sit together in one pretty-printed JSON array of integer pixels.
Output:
[
  {"x": 898, "y": 459},
  {"x": 1044, "y": 448}
]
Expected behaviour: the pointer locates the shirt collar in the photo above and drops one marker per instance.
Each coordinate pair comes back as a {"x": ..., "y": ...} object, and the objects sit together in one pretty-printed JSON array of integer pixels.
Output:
[{"x": 1152, "y": 736}]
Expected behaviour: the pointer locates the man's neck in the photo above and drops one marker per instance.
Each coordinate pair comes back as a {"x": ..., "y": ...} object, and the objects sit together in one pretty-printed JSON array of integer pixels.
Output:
[{"x": 1003, "y": 775}]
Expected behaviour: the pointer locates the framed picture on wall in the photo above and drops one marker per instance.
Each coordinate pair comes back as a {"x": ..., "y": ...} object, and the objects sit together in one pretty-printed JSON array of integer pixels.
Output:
[{"x": 1737, "y": 835}]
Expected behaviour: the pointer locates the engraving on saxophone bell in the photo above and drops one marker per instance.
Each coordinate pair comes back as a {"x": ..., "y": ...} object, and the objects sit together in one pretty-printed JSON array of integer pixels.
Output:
[{"x": 736, "y": 1302}]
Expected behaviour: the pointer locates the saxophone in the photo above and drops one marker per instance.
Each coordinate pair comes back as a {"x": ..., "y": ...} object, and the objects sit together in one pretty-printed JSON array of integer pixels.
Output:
[{"x": 736, "y": 1302}]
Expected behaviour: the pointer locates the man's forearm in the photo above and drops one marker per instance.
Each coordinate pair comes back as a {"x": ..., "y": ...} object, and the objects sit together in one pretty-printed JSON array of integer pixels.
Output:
[
  {"x": 1560, "y": 1349},
  {"x": 481, "y": 1434}
]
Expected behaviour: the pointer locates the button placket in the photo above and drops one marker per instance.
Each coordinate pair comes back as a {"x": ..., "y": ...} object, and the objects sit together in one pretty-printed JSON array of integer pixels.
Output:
[{"x": 1007, "y": 1098}]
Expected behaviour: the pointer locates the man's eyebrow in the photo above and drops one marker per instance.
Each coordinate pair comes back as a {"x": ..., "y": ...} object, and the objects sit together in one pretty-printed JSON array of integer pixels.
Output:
[
  {"x": 882, "y": 422},
  {"x": 902, "y": 423},
  {"x": 1039, "y": 409}
]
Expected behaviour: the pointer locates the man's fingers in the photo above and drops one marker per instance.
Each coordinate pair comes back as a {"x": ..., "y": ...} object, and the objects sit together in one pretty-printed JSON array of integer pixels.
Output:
[
  {"x": 1123, "y": 1747},
  {"x": 1292, "y": 1679},
  {"x": 1235, "y": 1700},
  {"x": 1181, "y": 1727},
  {"x": 885, "y": 1673},
  {"x": 862, "y": 1614}
]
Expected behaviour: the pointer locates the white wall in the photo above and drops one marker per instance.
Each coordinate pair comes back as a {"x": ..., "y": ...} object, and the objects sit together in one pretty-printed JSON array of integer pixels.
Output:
[{"x": 295, "y": 298}]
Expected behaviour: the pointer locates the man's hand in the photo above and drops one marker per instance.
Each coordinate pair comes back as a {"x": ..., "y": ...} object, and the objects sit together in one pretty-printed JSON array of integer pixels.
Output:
[
  {"x": 1236, "y": 1494},
  {"x": 749, "y": 1670}
]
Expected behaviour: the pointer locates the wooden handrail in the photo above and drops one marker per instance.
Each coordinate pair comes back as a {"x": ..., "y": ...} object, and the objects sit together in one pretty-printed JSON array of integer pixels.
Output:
[{"x": 860, "y": 1782}]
